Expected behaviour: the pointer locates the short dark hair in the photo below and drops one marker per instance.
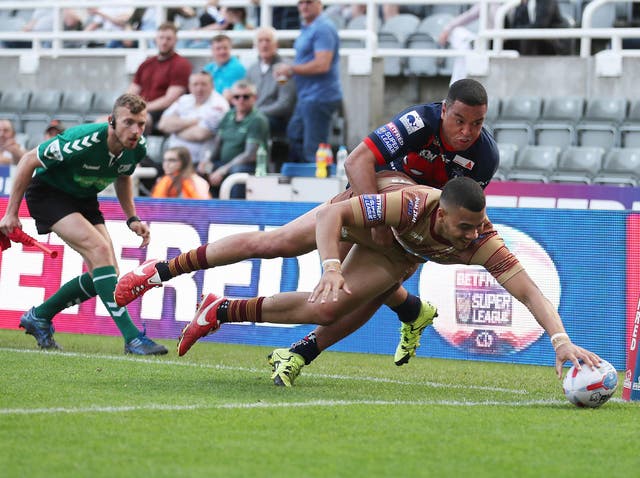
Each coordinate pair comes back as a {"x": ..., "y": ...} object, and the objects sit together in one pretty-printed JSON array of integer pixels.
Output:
[
  {"x": 134, "y": 103},
  {"x": 467, "y": 91},
  {"x": 464, "y": 192}
]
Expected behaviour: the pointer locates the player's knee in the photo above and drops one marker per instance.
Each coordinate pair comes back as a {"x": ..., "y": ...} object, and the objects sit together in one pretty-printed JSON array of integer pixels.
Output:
[{"x": 325, "y": 314}]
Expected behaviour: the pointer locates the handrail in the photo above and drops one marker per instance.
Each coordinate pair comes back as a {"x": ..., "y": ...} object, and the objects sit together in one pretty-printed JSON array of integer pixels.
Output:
[{"x": 497, "y": 34}]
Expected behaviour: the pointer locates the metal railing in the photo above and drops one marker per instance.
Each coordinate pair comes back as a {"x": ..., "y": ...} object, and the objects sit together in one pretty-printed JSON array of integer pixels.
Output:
[{"x": 56, "y": 38}]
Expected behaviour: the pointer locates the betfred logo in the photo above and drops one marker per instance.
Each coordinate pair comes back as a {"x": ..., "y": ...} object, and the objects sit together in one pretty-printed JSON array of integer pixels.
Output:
[{"x": 481, "y": 316}]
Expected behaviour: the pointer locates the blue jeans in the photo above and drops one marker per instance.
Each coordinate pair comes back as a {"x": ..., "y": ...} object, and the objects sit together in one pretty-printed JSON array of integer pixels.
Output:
[{"x": 308, "y": 127}]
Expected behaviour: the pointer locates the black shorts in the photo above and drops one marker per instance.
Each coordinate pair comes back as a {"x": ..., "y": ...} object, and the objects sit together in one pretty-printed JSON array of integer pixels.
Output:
[{"x": 47, "y": 205}]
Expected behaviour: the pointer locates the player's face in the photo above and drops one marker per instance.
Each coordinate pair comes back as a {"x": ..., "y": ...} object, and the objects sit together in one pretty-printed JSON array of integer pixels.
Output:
[
  {"x": 129, "y": 126},
  {"x": 462, "y": 124},
  {"x": 460, "y": 226}
]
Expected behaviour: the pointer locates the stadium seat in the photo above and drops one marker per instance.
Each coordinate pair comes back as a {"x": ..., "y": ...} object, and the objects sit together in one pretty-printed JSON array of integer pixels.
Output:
[
  {"x": 493, "y": 112},
  {"x": 356, "y": 23},
  {"x": 400, "y": 26},
  {"x": 434, "y": 24},
  {"x": 12, "y": 104},
  {"x": 515, "y": 123},
  {"x": 578, "y": 164},
  {"x": 508, "y": 153},
  {"x": 535, "y": 163},
  {"x": 557, "y": 124},
  {"x": 43, "y": 105},
  {"x": 447, "y": 8},
  {"x": 630, "y": 128},
  {"x": 621, "y": 167},
  {"x": 600, "y": 123},
  {"x": 422, "y": 65},
  {"x": 74, "y": 107},
  {"x": 393, "y": 65},
  {"x": 102, "y": 104}
]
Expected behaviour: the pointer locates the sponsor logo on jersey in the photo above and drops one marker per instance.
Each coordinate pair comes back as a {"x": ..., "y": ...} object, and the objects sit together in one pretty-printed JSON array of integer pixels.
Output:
[
  {"x": 387, "y": 138},
  {"x": 372, "y": 204},
  {"x": 52, "y": 150},
  {"x": 464, "y": 162},
  {"x": 396, "y": 133},
  {"x": 428, "y": 155},
  {"x": 123, "y": 168},
  {"x": 413, "y": 207},
  {"x": 412, "y": 121}
]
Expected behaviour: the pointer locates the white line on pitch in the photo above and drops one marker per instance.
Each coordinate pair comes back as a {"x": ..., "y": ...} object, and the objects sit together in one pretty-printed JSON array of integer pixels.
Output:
[
  {"x": 263, "y": 405},
  {"x": 160, "y": 361}
]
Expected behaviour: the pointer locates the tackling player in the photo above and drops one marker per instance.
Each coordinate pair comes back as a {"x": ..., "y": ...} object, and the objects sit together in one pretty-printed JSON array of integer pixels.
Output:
[{"x": 431, "y": 143}]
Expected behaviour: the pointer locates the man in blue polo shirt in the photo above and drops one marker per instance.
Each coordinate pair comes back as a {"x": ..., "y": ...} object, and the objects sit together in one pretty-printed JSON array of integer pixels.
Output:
[
  {"x": 316, "y": 72},
  {"x": 225, "y": 69}
]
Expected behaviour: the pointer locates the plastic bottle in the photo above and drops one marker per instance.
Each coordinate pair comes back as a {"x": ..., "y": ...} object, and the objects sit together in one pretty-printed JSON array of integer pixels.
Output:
[
  {"x": 321, "y": 162},
  {"x": 327, "y": 147},
  {"x": 261, "y": 161},
  {"x": 341, "y": 157}
]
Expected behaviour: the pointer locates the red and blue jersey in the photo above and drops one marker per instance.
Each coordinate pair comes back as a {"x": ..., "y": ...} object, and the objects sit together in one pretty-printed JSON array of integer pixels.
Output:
[{"x": 412, "y": 143}]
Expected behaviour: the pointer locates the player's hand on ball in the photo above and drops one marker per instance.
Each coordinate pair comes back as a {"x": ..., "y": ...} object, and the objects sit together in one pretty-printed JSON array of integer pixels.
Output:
[{"x": 574, "y": 353}]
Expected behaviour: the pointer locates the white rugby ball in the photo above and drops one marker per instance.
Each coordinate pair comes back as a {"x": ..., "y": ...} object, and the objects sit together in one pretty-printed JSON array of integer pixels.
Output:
[{"x": 590, "y": 387}]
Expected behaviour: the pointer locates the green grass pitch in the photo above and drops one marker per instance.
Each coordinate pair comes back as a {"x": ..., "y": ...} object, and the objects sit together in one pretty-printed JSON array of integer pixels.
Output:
[{"x": 91, "y": 411}]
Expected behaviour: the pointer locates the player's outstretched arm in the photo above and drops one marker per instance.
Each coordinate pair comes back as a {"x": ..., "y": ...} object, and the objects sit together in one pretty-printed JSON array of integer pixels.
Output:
[{"x": 522, "y": 287}]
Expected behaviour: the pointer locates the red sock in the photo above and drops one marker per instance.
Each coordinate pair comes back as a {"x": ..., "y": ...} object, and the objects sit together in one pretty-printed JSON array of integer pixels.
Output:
[{"x": 245, "y": 310}]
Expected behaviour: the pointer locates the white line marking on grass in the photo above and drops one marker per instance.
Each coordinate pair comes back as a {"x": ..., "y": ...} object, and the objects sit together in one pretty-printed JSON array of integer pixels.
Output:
[
  {"x": 264, "y": 405},
  {"x": 160, "y": 361}
]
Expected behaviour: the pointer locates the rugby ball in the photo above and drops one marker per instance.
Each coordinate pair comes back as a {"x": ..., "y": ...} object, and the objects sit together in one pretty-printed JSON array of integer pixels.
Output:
[{"x": 589, "y": 387}]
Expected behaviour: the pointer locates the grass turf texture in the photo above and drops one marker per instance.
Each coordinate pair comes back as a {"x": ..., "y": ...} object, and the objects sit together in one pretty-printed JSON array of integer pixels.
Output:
[{"x": 90, "y": 411}]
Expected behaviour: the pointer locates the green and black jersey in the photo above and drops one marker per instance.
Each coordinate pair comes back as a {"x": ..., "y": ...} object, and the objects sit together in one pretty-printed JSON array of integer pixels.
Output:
[{"x": 79, "y": 163}]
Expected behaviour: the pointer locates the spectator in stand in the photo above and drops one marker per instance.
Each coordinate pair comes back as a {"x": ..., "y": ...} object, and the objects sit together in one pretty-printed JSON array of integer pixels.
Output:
[
  {"x": 316, "y": 72},
  {"x": 193, "y": 120},
  {"x": 242, "y": 130},
  {"x": 10, "y": 150},
  {"x": 458, "y": 37},
  {"x": 54, "y": 128},
  {"x": 180, "y": 180},
  {"x": 163, "y": 78},
  {"x": 109, "y": 19},
  {"x": 41, "y": 21},
  {"x": 539, "y": 14},
  {"x": 225, "y": 68},
  {"x": 275, "y": 99},
  {"x": 237, "y": 18}
]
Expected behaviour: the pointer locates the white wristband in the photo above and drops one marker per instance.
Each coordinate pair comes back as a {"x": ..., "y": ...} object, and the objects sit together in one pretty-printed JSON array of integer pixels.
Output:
[
  {"x": 559, "y": 339},
  {"x": 326, "y": 262}
]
